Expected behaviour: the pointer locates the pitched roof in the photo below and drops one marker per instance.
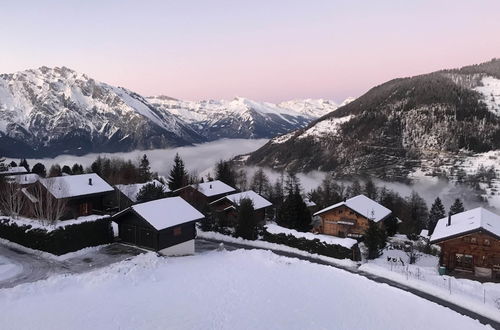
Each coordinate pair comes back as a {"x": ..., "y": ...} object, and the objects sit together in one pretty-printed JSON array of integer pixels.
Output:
[
  {"x": 213, "y": 188},
  {"x": 75, "y": 185},
  {"x": 14, "y": 170},
  {"x": 131, "y": 190},
  {"x": 23, "y": 179},
  {"x": 466, "y": 222},
  {"x": 259, "y": 202},
  {"x": 166, "y": 212},
  {"x": 362, "y": 205}
]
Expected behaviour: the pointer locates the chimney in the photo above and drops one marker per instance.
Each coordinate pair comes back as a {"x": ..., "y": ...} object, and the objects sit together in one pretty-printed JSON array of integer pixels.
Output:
[
  {"x": 90, "y": 181},
  {"x": 210, "y": 186},
  {"x": 449, "y": 219},
  {"x": 345, "y": 199}
]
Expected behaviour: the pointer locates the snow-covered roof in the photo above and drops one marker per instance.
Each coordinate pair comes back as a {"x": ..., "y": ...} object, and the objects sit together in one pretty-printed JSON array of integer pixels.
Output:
[
  {"x": 466, "y": 222},
  {"x": 14, "y": 170},
  {"x": 167, "y": 212},
  {"x": 309, "y": 203},
  {"x": 362, "y": 205},
  {"x": 75, "y": 185},
  {"x": 24, "y": 178},
  {"x": 259, "y": 202},
  {"x": 131, "y": 190},
  {"x": 424, "y": 233},
  {"x": 213, "y": 188}
]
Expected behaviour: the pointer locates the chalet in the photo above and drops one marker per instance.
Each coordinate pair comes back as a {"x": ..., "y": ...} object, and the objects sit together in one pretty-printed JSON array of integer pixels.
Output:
[
  {"x": 201, "y": 194},
  {"x": 81, "y": 195},
  {"x": 127, "y": 193},
  {"x": 229, "y": 204},
  {"x": 470, "y": 242},
  {"x": 350, "y": 218},
  {"x": 16, "y": 170},
  {"x": 165, "y": 225},
  {"x": 23, "y": 179}
]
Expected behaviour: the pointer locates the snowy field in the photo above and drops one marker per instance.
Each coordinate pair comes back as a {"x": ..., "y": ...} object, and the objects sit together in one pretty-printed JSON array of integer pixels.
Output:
[{"x": 220, "y": 290}]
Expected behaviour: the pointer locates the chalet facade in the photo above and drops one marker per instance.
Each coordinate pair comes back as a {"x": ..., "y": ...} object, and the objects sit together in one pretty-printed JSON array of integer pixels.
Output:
[
  {"x": 202, "y": 194},
  {"x": 81, "y": 195},
  {"x": 350, "y": 218},
  {"x": 470, "y": 242},
  {"x": 165, "y": 225},
  {"x": 229, "y": 205},
  {"x": 127, "y": 193}
]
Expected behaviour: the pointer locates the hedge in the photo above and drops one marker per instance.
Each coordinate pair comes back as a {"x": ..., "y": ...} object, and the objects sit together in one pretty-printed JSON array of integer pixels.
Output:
[
  {"x": 59, "y": 241},
  {"x": 314, "y": 246}
]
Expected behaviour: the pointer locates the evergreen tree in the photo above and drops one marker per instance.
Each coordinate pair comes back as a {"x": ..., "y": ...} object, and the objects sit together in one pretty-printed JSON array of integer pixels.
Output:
[
  {"x": 457, "y": 207},
  {"x": 437, "y": 212},
  {"x": 246, "y": 223},
  {"x": 150, "y": 192},
  {"x": 417, "y": 213},
  {"x": 66, "y": 170},
  {"x": 391, "y": 225},
  {"x": 355, "y": 189},
  {"x": 13, "y": 164},
  {"x": 225, "y": 173},
  {"x": 293, "y": 213},
  {"x": 39, "y": 169},
  {"x": 24, "y": 163},
  {"x": 77, "y": 169},
  {"x": 178, "y": 176},
  {"x": 144, "y": 169},
  {"x": 374, "y": 239},
  {"x": 370, "y": 190}
]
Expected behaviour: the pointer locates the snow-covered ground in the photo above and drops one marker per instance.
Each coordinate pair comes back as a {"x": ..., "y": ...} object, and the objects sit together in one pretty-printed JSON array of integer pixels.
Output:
[
  {"x": 8, "y": 269},
  {"x": 345, "y": 242},
  {"x": 38, "y": 224},
  {"x": 220, "y": 290},
  {"x": 482, "y": 298}
]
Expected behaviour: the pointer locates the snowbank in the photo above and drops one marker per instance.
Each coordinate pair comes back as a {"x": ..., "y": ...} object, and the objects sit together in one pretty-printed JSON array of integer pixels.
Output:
[
  {"x": 8, "y": 269},
  {"x": 481, "y": 298},
  {"x": 345, "y": 242},
  {"x": 220, "y": 290},
  {"x": 37, "y": 224}
]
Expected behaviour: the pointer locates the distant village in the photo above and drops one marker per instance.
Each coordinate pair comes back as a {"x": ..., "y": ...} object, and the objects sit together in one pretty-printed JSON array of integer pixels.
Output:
[{"x": 62, "y": 209}]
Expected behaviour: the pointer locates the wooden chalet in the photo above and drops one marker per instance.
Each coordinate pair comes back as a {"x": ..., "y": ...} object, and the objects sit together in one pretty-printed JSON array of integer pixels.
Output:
[
  {"x": 201, "y": 194},
  {"x": 229, "y": 205},
  {"x": 82, "y": 195},
  {"x": 126, "y": 194},
  {"x": 470, "y": 242},
  {"x": 165, "y": 225},
  {"x": 350, "y": 218}
]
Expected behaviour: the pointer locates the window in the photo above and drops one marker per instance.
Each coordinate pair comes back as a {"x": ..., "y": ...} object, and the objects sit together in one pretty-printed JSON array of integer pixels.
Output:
[
  {"x": 177, "y": 231},
  {"x": 487, "y": 242},
  {"x": 473, "y": 240},
  {"x": 467, "y": 239},
  {"x": 463, "y": 260}
]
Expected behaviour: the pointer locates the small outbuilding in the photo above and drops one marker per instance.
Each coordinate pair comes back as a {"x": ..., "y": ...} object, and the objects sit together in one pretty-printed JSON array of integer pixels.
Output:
[
  {"x": 201, "y": 194},
  {"x": 229, "y": 204},
  {"x": 165, "y": 225},
  {"x": 127, "y": 193}
]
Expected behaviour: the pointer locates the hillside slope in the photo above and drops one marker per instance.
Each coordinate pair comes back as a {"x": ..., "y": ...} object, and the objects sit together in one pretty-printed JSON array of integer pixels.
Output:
[{"x": 392, "y": 128}]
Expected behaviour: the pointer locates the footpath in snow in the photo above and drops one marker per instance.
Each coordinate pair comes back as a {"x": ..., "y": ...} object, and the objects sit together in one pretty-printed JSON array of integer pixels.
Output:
[{"x": 240, "y": 289}]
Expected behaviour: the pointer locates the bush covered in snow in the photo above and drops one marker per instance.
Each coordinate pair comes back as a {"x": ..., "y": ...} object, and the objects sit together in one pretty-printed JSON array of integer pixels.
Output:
[{"x": 62, "y": 239}]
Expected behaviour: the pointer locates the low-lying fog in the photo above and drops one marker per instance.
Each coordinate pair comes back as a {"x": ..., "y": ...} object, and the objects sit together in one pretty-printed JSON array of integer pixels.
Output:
[{"x": 201, "y": 158}]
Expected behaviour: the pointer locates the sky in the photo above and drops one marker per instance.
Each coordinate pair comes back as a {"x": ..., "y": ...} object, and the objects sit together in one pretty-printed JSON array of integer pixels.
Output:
[{"x": 269, "y": 50}]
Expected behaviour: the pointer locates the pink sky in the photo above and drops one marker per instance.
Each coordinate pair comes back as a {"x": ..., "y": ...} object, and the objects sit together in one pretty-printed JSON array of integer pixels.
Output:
[{"x": 266, "y": 50}]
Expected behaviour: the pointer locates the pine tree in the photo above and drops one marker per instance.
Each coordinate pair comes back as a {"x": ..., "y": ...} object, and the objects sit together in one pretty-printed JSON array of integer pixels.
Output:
[
  {"x": 150, "y": 192},
  {"x": 355, "y": 189},
  {"x": 293, "y": 213},
  {"x": 144, "y": 169},
  {"x": 13, "y": 164},
  {"x": 39, "y": 169},
  {"x": 77, "y": 169},
  {"x": 24, "y": 163},
  {"x": 370, "y": 190},
  {"x": 246, "y": 223},
  {"x": 437, "y": 212},
  {"x": 418, "y": 213},
  {"x": 260, "y": 182},
  {"x": 374, "y": 239},
  {"x": 457, "y": 207},
  {"x": 178, "y": 176},
  {"x": 66, "y": 170},
  {"x": 55, "y": 170},
  {"x": 225, "y": 173}
]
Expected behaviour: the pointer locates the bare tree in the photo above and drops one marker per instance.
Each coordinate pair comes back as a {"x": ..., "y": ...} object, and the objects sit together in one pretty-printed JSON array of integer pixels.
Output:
[
  {"x": 11, "y": 198},
  {"x": 46, "y": 207}
]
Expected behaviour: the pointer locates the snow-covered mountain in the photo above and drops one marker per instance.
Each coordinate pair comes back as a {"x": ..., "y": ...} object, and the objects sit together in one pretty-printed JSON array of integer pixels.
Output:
[
  {"x": 244, "y": 118},
  {"x": 399, "y": 126},
  {"x": 50, "y": 111}
]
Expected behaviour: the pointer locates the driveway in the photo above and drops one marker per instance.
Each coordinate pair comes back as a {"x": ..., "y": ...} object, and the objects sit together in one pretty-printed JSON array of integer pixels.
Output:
[{"x": 33, "y": 267}]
